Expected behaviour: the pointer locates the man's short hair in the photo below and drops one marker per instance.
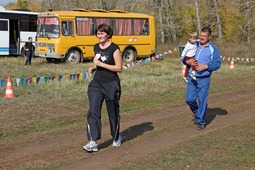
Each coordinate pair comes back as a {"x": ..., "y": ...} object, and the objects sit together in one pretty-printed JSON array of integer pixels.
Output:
[{"x": 206, "y": 29}]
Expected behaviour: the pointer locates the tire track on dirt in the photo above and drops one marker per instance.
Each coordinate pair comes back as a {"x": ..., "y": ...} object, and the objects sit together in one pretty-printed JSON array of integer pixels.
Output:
[{"x": 11, "y": 157}]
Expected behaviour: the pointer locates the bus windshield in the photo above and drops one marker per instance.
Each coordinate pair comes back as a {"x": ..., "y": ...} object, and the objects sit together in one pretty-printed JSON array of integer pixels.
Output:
[{"x": 48, "y": 27}]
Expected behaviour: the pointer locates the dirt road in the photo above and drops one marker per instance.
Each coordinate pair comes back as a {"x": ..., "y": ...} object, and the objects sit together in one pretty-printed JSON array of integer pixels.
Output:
[{"x": 143, "y": 131}]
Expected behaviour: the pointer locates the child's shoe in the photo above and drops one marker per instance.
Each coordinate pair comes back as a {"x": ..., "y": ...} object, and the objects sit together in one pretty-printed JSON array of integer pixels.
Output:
[
  {"x": 185, "y": 79},
  {"x": 193, "y": 76}
]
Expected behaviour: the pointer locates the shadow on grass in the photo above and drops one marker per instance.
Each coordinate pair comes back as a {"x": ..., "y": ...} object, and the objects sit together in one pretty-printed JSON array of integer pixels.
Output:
[
  {"x": 131, "y": 133},
  {"x": 212, "y": 113}
]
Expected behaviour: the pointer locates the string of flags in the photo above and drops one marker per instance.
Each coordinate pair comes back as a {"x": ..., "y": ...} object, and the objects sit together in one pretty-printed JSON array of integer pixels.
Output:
[
  {"x": 146, "y": 60},
  {"x": 238, "y": 59},
  {"x": 47, "y": 79},
  {"x": 85, "y": 75},
  {"x": 78, "y": 76}
]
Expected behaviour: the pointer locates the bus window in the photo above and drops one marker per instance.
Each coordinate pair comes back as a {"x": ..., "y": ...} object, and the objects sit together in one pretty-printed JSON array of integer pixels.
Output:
[
  {"x": 98, "y": 21},
  {"x": 102, "y": 21},
  {"x": 67, "y": 28},
  {"x": 64, "y": 29},
  {"x": 122, "y": 26},
  {"x": 3, "y": 25},
  {"x": 28, "y": 25},
  {"x": 141, "y": 27},
  {"x": 48, "y": 27},
  {"x": 146, "y": 27},
  {"x": 84, "y": 26}
]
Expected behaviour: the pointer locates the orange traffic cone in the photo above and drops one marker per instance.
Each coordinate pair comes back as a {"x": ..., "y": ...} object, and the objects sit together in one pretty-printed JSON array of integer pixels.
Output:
[
  {"x": 9, "y": 91},
  {"x": 232, "y": 67},
  {"x": 183, "y": 69}
]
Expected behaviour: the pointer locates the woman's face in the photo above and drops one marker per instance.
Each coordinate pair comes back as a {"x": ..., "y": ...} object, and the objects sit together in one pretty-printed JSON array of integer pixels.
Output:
[{"x": 102, "y": 36}]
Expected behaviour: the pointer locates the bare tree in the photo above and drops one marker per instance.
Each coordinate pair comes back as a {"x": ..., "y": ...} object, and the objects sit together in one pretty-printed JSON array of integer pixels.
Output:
[
  {"x": 208, "y": 12},
  {"x": 159, "y": 4},
  {"x": 218, "y": 19},
  {"x": 246, "y": 10},
  {"x": 249, "y": 14},
  {"x": 47, "y": 5},
  {"x": 197, "y": 16},
  {"x": 170, "y": 21}
]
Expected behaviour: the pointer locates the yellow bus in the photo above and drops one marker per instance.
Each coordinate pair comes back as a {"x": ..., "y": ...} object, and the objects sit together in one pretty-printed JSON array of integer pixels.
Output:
[{"x": 70, "y": 35}]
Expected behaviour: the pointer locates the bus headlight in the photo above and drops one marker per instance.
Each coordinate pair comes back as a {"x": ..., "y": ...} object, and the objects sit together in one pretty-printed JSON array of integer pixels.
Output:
[{"x": 51, "y": 50}]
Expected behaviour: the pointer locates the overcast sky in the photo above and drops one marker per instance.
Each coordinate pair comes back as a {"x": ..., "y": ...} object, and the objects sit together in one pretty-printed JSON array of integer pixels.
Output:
[{"x": 4, "y": 2}]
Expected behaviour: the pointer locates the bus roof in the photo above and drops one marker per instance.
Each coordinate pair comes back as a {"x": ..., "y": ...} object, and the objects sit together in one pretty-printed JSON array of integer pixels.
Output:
[
  {"x": 95, "y": 13},
  {"x": 19, "y": 12}
]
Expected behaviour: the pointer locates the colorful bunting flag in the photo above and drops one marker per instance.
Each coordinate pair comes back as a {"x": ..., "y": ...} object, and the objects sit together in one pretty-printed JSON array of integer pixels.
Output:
[
  {"x": 38, "y": 79},
  {"x": 18, "y": 81},
  {"x": 2, "y": 82}
]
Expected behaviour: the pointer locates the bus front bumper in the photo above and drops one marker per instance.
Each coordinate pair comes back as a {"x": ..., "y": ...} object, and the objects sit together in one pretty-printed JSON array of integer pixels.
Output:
[{"x": 45, "y": 55}]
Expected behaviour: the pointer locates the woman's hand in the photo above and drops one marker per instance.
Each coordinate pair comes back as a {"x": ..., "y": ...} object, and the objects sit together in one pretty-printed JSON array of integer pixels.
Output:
[
  {"x": 90, "y": 70},
  {"x": 97, "y": 62}
]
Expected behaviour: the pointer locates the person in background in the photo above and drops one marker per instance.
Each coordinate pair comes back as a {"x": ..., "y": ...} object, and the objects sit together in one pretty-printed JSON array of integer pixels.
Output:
[
  {"x": 105, "y": 86},
  {"x": 29, "y": 50},
  {"x": 64, "y": 29},
  {"x": 207, "y": 60},
  {"x": 189, "y": 52}
]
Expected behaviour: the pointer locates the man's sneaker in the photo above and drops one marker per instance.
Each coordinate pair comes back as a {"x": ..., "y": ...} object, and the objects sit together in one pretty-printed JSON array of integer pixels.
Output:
[
  {"x": 117, "y": 143},
  {"x": 185, "y": 79},
  {"x": 193, "y": 76},
  {"x": 91, "y": 146},
  {"x": 200, "y": 127}
]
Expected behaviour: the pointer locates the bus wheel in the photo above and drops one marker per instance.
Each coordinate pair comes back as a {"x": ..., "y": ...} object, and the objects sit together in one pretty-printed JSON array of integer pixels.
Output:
[
  {"x": 129, "y": 56},
  {"x": 73, "y": 56}
]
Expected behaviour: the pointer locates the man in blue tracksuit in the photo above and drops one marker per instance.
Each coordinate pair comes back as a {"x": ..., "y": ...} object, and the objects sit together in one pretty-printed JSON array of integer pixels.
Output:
[{"x": 207, "y": 60}]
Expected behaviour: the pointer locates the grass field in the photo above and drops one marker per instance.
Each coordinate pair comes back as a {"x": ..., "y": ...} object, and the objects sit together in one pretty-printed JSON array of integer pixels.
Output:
[
  {"x": 228, "y": 148},
  {"x": 59, "y": 107}
]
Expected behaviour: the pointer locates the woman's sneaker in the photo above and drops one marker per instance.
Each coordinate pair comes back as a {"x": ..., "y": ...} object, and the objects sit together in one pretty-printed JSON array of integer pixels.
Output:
[
  {"x": 91, "y": 146},
  {"x": 117, "y": 143}
]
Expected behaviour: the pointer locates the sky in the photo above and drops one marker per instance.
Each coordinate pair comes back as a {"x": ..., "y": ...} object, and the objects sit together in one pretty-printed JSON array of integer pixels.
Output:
[{"x": 4, "y": 2}]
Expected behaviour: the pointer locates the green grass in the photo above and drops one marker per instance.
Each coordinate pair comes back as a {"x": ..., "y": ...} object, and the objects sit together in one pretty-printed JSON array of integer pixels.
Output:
[{"x": 230, "y": 148}]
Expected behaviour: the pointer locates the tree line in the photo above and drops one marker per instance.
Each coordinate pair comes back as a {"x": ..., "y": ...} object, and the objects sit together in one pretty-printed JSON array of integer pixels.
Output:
[{"x": 230, "y": 20}]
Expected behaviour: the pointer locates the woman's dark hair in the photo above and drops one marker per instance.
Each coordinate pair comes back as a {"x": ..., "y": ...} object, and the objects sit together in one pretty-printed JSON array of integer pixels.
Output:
[{"x": 104, "y": 28}]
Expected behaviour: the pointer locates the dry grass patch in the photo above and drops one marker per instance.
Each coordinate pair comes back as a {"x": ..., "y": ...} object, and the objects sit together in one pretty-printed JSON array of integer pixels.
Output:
[{"x": 228, "y": 148}]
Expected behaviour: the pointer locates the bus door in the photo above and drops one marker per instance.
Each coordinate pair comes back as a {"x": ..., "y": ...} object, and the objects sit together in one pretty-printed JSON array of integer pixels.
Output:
[
  {"x": 14, "y": 37},
  {"x": 4, "y": 34}
]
